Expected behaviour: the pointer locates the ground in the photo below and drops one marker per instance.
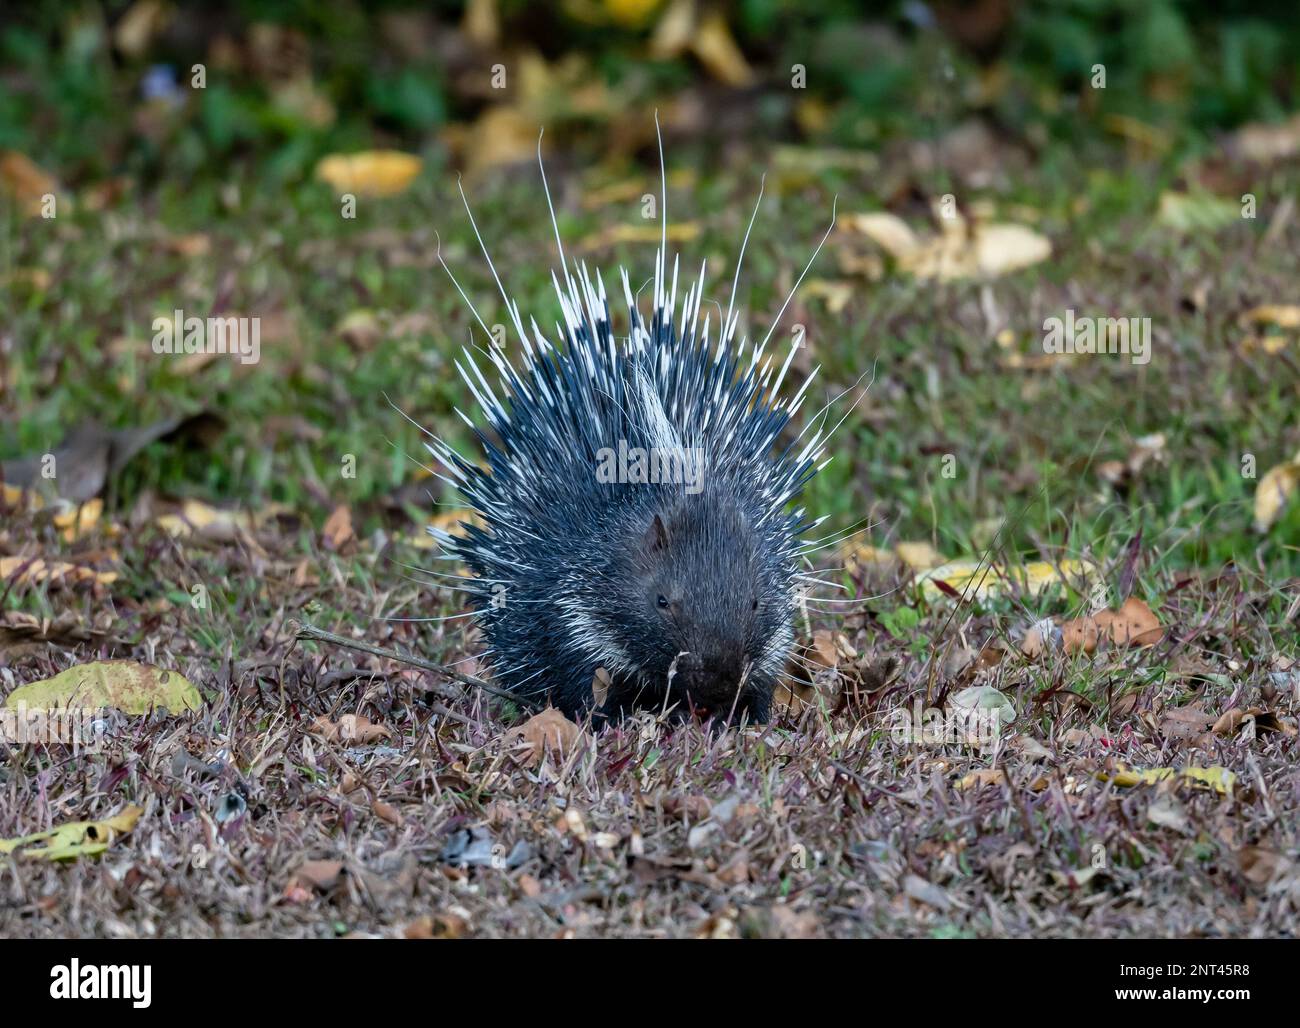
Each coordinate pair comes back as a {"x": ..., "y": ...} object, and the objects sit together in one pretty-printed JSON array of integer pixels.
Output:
[{"x": 322, "y": 791}]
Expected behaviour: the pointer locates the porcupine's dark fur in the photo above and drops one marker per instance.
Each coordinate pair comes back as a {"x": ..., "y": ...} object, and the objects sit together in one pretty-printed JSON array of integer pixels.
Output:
[{"x": 683, "y": 592}]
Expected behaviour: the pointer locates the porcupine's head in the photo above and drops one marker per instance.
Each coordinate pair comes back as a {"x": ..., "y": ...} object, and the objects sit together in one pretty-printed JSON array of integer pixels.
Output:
[{"x": 702, "y": 603}]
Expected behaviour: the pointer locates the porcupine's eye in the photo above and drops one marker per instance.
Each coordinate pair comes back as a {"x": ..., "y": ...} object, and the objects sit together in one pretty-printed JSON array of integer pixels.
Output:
[
  {"x": 662, "y": 602},
  {"x": 755, "y": 606}
]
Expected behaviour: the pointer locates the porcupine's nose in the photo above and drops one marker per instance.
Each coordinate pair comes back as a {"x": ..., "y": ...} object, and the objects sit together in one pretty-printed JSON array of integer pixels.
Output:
[{"x": 711, "y": 679}]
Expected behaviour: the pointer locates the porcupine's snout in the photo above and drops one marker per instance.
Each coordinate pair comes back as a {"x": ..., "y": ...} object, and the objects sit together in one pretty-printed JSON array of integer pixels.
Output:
[{"x": 711, "y": 682}]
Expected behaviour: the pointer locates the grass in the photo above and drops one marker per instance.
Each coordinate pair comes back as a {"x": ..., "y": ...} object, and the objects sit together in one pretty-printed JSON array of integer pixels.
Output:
[{"x": 818, "y": 824}]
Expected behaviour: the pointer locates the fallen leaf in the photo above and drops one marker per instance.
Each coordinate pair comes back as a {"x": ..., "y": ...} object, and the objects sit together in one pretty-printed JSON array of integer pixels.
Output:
[
  {"x": 1196, "y": 212},
  {"x": 26, "y": 183},
  {"x": 28, "y": 570},
  {"x": 77, "y": 519},
  {"x": 212, "y": 524},
  {"x": 1285, "y": 316},
  {"x": 1260, "y": 866},
  {"x": 1273, "y": 491},
  {"x": 126, "y": 685},
  {"x": 1133, "y": 624},
  {"x": 975, "y": 579},
  {"x": 20, "y": 631},
  {"x": 370, "y": 172},
  {"x": 891, "y": 233},
  {"x": 1220, "y": 779},
  {"x": 619, "y": 232},
  {"x": 1187, "y": 722},
  {"x": 919, "y": 556},
  {"x": 547, "y": 731},
  {"x": 321, "y": 875},
  {"x": 77, "y": 839},
  {"x": 959, "y": 250},
  {"x": 138, "y": 26},
  {"x": 337, "y": 531},
  {"x": 982, "y": 777},
  {"x": 985, "y": 698},
  {"x": 350, "y": 728},
  {"x": 836, "y": 294},
  {"x": 1264, "y": 721},
  {"x": 714, "y": 45},
  {"x": 503, "y": 135},
  {"x": 600, "y": 683},
  {"x": 1265, "y": 144}
]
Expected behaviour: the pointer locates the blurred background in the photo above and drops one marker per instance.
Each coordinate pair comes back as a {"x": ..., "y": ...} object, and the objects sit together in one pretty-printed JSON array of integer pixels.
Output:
[{"x": 995, "y": 162}]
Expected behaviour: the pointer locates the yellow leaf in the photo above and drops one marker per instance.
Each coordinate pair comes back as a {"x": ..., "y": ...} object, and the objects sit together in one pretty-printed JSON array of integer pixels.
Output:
[
  {"x": 77, "y": 520},
  {"x": 1220, "y": 779},
  {"x": 23, "y": 499},
  {"x": 836, "y": 294},
  {"x": 1002, "y": 249},
  {"x": 502, "y": 135},
  {"x": 717, "y": 51},
  {"x": 213, "y": 523},
  {"x": 891, "y": 233},
  {"x": 29, "y": 569},
  {"x": 481, "y": 23},
  {"x": 918, "y": 556},
  {"x": 673, "y": 33},
  {"x": 958, "y": 251},
  {"x": 370, "y": 172},
  {"x": 975, "y": 580},
  {"x": 77, "y": 839},
  {"x": 129, "y": 686},
  {"x": 1273, "y": 491},
  {"x": 1281, "y": 315}
]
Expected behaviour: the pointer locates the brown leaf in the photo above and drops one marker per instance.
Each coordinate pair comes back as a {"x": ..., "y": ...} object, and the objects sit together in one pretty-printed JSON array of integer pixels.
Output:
[
  {"x": 982, "y": 777},
  {"x": 387, "y": 812},
  {"x": 24, "y": 181},
  {"x": 1186, "y": 722},
  {"x": 337, "y": 531},
  {"x": 1080, "y": 635},
  {"x": 1260, "y": 866},
  {"x": 350, "y": 728},
  {"x": 600, "y": 683},
  {"x": 549, "y": 730},
  {"x": 1265, "y": 721},
  {"x": 321, "y": 875},
  {"x": 1133, "y": 624}
]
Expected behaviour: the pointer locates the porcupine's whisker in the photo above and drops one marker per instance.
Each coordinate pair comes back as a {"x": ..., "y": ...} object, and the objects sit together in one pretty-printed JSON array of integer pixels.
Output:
[
  {"x": 449, "y": 617},
  {"x": 443, "y": 574}
]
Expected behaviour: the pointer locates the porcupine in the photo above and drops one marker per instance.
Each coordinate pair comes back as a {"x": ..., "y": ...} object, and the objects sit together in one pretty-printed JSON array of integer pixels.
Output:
[{"x": 638, "y": 510}]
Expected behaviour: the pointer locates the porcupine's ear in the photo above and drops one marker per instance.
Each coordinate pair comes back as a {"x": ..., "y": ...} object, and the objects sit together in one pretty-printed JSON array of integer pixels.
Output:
[{"x": 656, "y": 536}]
